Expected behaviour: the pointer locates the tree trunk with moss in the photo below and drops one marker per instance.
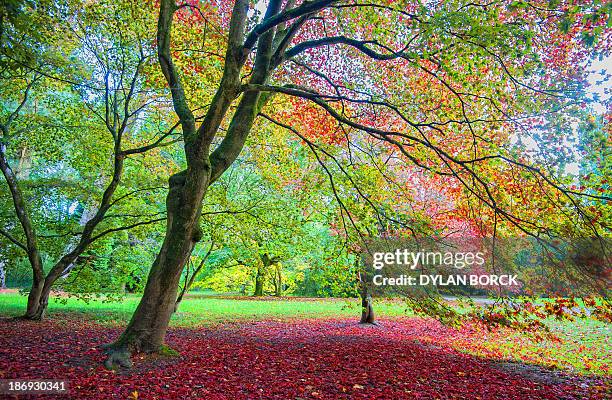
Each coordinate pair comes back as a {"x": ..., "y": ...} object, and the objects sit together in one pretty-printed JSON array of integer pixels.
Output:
[
  {"x": 269, "y": 41},
  {"x": 259, "y": 281},
  {"x": 147, "y": 328},
  {"x": 278, "y": 280}
]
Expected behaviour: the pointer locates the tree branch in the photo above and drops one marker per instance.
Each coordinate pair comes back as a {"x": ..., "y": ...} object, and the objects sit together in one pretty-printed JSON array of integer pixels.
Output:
[
  {"x": 179, "y": 100},
  {"x": 13, "y": 240},
  {"x": 308, "y": 7}
]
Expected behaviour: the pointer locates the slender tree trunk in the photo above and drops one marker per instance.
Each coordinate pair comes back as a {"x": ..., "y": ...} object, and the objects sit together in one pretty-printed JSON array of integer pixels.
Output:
[
  {"x": 38, "y": 310},
  {"x": 183, "y": 290},
  {"x": 2, "y": 275},
  {"x": 177, "y": 303},
  {"x": 189, "y": 280},
  {"x": 66, "y": 263},
  {"x": 278, "y": 282},
  {"x": 31, "y": 244},
  {"x": 38, "y": 297},
  {"x": 367, "y": 311},
  {"x": 259, "y": 281}
]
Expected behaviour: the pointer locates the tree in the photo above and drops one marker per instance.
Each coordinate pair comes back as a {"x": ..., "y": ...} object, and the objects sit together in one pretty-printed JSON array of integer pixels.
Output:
[
  {"x": 100, "y": 92},
  {"x": 259, "y": 224},
  {"x": 475, "y": 74}
]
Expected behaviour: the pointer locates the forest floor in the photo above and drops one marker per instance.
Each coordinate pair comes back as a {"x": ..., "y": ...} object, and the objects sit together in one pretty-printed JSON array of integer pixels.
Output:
[{"x": 303, "y": 349}]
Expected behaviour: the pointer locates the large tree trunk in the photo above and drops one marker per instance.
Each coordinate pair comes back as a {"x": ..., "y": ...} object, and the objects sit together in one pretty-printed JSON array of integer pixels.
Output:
[
  {"x": 147, "y": 328},
  {"x": 148, "y": 325},
  {"x": 38, "y": 310},
  {"x": 34, "y": 297}
]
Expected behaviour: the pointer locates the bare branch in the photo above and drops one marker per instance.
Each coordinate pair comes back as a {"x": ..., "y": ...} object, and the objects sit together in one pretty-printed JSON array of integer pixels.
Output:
[
  {"x": 123, "y": 228},
  {"x": 308, "y": 7}
]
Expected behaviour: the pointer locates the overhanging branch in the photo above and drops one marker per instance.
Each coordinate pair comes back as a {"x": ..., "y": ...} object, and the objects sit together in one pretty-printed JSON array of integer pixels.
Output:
[{"x": 13, "y": 240}]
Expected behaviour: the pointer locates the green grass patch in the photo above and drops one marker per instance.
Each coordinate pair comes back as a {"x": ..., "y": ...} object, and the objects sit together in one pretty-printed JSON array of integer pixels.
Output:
[
  {"x": 581, "y": 346},
  {"x": 197, "y": 310}
]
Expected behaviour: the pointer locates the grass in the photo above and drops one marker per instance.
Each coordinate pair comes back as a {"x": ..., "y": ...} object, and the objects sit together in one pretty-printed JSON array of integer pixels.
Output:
[
  {"x": 583, "y": 346},
  {"x": 198, "y": 311}
]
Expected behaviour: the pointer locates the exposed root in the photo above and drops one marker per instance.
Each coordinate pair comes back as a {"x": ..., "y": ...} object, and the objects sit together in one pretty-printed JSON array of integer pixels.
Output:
[
  {"x": 37, "y": 318},
  {"x": 118, "y": 354},
  {"x": 117, "y": 358},
  {"x": 38, "y": 315}
]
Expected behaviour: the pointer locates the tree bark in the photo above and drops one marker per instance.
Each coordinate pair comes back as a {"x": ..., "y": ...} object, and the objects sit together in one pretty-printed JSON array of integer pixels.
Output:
[
  {"x": 259, "y": 281},
  {"x": 367, "y": 311},
  {"x": 34, "y": 298},
  {"x": 31, "y": 244},
  {"x": 38, "y": 310},
  {"x": 278, "y": 281},
  {"x": 147, "y": 328}
]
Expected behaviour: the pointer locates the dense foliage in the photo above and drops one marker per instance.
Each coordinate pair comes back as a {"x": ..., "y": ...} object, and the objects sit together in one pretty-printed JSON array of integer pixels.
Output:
[{"x": 286, "y": 134}]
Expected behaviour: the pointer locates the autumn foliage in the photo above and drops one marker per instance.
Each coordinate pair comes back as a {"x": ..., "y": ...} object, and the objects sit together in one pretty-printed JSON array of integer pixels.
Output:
[{"x": 310, "y": 359}]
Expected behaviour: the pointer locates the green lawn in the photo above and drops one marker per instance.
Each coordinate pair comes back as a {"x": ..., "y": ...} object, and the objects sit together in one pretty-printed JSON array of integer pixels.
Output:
[
  {"x": 581, "y": 346},
  {"x": 197, "y": 310}
]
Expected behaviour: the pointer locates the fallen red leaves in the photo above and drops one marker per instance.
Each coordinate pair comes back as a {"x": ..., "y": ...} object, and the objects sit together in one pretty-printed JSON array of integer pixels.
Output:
[{"x": 271, "y": 359}]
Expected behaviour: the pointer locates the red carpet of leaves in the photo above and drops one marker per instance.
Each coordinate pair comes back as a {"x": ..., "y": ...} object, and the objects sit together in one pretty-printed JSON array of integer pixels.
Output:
[{"x": 270, "y": 359}]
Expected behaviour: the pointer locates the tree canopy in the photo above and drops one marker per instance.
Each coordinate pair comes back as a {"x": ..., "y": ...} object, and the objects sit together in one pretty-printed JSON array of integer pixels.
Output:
[{"x": 285, "y": 135}]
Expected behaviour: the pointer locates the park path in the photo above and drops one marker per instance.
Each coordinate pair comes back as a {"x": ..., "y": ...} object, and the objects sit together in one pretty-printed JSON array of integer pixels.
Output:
[{"x": 305, "y": 359}]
